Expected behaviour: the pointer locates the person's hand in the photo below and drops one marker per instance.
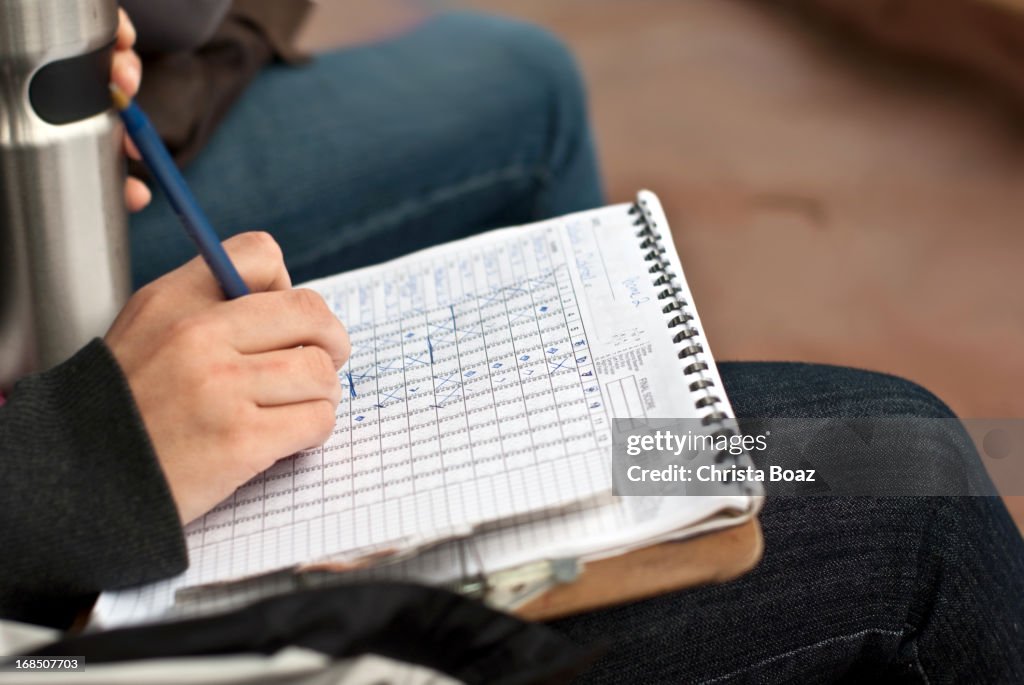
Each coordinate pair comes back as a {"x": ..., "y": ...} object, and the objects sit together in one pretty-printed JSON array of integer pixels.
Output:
[
  {"x": 126, "y": 72},
  {"x": 226, "y": 388}
]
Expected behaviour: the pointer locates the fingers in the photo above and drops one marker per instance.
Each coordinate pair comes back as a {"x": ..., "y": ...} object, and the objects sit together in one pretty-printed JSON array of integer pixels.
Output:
[
  {"x": 136, "y": 194},
  {"x": 297, "y": 427},
  {"x": 125, "y": 31},
  {"x": 126, "y": 71},
  {"x": 131, "y": 150},
  {"x": 300, "y": 318},
  {"x": 258, "y": 259},
  {"x": 302, "y": 374}
]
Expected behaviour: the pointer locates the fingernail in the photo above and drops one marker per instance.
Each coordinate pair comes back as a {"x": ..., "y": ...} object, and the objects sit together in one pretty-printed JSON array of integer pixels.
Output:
[
  {"x": 135, "y": 75},
  {"x": 127, "y": 77}
]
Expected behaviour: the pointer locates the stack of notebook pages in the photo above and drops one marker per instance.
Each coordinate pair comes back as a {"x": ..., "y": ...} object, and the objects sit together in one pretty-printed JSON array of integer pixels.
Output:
[{"x": 475, "y": 430}]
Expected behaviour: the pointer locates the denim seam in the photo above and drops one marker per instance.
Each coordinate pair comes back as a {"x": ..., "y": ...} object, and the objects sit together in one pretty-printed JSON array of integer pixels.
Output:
[
  {"x": 918, "y": 665},
  {"x": 544, "y": 181},
  {"x": 820, "y": 643},
  {"x": 910, "y": 630},
  {"x": 382, "y": 221}
]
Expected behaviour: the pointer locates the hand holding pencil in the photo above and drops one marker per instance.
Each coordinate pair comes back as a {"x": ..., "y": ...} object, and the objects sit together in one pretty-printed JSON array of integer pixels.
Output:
[
  {"x": 226, "y": 388},
  {"x": 254, "y": 378}
]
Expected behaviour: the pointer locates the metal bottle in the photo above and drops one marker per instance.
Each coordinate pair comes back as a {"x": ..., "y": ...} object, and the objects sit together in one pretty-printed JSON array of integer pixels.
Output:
[{"x": 64, "y": 259}]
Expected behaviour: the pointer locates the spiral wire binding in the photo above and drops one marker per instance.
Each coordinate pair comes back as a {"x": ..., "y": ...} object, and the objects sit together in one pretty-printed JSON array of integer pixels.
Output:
[{"x": 686, "y": 337}]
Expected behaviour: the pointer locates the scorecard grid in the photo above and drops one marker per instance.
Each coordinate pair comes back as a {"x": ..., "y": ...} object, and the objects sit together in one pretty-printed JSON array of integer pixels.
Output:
[{"x": 470, "y": 396}]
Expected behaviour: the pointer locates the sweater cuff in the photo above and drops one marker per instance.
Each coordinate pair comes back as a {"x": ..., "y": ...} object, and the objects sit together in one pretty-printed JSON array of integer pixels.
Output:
[{"x": 113, "y": 520}]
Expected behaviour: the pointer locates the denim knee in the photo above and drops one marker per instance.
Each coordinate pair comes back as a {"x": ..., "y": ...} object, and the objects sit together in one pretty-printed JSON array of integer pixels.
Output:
[
  {"x": 797, "y": 390},
  {"x": 898, "y": 396},
  {"x": 545, "y": 55},
  {"x": 905, "y": 452},
  {"x": 550, "y": 69}
]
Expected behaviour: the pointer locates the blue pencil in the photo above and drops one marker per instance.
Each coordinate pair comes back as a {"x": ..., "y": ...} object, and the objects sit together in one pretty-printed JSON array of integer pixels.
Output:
[{"x": 165, "y": 172}]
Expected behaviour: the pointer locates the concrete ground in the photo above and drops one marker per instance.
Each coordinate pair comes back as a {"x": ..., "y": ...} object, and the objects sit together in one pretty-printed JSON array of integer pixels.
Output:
[{"x": 829, "y": 204}]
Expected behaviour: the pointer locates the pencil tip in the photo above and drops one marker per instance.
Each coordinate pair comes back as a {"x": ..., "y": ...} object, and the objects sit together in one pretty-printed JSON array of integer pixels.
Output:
[{"x": 121, "y": 101}]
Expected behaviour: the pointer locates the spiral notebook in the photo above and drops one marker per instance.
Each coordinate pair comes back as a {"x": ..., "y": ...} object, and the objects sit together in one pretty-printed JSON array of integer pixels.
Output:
[{"x": 477, "y": 406}]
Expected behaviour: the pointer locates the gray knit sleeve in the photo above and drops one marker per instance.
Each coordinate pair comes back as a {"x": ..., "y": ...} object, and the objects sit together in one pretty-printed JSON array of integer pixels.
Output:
[{"x": 84, "y": 505}]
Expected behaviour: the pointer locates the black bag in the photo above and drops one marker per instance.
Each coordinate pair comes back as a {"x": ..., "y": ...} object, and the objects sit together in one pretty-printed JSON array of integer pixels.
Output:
[{"x": 411, "y": 624}]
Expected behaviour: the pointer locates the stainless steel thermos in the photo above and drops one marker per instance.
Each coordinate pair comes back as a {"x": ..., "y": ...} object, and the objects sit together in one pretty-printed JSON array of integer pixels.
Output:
[{"x": 64, "y": 260}]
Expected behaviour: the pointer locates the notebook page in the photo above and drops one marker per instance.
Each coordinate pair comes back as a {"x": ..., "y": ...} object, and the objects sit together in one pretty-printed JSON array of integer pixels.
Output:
[
  {"x": 596, "y": 528},
  {"x": 482, "y": 381}
]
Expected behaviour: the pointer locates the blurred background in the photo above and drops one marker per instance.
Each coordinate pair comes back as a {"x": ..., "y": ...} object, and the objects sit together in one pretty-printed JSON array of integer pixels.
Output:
[{"x": 844, "y": 178}]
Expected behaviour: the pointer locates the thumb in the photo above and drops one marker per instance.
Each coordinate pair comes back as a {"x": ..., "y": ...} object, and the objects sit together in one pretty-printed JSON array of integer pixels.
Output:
[{"x": 256, "y": 255}]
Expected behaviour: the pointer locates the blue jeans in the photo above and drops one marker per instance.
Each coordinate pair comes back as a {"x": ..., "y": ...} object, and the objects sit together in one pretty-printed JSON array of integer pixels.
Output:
[
  {"x": 467, "y": 123},
  {"x": 349, "y": 161},
  {"x": 922, "y": 590}
]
